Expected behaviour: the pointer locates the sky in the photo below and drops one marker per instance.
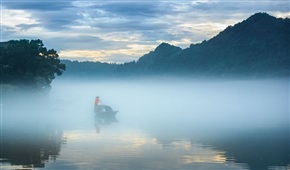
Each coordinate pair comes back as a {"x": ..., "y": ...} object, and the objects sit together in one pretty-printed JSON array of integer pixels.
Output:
[{"x": 118, "y": 31}]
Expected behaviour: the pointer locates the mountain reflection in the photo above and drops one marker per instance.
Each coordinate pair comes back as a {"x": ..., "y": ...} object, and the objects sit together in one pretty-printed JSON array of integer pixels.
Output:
[
  {"x": 256, "y": 149},
  {"x": 29, "y": 148},
  {"x": 260, "y": 149},
  {"x": 123, "y": 148}
]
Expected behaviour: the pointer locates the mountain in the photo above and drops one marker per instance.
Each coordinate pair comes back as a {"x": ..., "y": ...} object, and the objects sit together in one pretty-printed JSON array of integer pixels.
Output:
[
  {"x": 163, "y": 52},
  {"x": 162, "y": 58},
  {"x": 257, "y": 46}
]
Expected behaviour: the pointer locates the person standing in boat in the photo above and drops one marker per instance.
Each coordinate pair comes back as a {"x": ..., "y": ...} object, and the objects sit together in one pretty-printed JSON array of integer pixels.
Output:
[{"x": 97, "y": 101}]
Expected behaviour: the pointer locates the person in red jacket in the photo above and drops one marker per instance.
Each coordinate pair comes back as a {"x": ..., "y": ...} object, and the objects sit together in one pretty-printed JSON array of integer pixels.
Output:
[{"x": 97, "y": 101}]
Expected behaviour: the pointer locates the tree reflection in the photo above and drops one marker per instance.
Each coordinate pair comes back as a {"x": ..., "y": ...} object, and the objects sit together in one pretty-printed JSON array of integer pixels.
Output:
[{"x": 31, "y": 147}]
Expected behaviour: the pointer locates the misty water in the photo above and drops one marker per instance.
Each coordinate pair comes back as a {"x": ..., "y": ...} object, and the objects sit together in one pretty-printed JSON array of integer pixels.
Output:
[{"x": 160, "y": 124}]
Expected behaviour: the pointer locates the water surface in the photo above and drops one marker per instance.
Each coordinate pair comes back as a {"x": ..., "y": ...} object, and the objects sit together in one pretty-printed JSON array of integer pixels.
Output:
[{"x": 162, "y": 124}]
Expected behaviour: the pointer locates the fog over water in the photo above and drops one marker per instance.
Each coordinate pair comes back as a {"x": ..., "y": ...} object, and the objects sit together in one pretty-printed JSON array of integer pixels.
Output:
[
  {"x": 220, "y": 103},
  {"x": 161, "y": 124}
]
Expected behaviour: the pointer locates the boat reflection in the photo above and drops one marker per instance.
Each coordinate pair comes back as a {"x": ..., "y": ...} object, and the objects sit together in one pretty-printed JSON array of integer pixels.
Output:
[{"x": 104, "y": 115}]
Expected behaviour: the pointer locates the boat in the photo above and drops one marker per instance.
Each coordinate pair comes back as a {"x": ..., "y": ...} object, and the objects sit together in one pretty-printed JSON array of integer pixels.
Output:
[{"x": 104, "y": 111}]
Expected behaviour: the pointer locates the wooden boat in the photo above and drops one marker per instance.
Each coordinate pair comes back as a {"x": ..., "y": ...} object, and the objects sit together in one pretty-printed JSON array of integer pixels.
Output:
[{"x": 104, "y": 111}]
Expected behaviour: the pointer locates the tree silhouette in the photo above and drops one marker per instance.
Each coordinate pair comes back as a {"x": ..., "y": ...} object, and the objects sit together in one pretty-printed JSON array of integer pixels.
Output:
[{"x": 29, "y": 63}]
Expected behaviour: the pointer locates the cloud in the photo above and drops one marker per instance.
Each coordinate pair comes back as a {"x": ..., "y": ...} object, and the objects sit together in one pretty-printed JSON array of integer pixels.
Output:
[
  {"x": 129, "y": 53},
  {"x": 85, "y": 27},
  {"x": 12, "y": 18},
  {"x": 110, "y": 41},
  {"x": 80, "y": 42},
  {"x": 123, "y": 16},
  {"x": 51, "y": 15},
  {"x": 139, "y": 9},
  {"x": 24, "y": 27},
  {"x": 37, "y": 5}
]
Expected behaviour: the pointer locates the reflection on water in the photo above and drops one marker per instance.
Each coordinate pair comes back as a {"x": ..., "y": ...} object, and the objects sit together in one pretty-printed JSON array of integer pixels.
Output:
[
  {"x": 117, "y": 148},
  {"x": 261, "y": 149},
  {"x": 224, "y": 125},
  {"x": 29, "y": 148},
  {"x": 101, "y": 121}
]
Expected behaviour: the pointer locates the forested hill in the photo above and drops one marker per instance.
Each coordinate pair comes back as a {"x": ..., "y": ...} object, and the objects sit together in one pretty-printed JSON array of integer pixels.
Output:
[{"x": 257, "y": 46}]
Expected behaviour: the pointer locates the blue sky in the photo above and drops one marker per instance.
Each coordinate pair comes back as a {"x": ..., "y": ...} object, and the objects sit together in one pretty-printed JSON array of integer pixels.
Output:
[{"x": 124, "y": 30}]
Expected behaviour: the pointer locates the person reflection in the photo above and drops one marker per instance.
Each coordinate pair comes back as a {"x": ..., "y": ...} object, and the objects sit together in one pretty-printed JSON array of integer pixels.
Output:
[
  {"x": 104, "y": 114},
  {"x": 101, "y": 121}
]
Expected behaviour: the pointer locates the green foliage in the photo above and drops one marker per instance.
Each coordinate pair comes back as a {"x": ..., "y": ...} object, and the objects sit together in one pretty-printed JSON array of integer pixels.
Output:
[{"x": 29, "y": 63}]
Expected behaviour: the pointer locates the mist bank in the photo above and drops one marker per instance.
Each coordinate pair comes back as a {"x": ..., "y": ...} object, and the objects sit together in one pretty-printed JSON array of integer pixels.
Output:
[{"x": 203, "y": 103}]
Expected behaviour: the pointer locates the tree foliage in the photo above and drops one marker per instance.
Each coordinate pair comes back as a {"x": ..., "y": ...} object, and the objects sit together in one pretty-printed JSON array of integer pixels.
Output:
[{"x": 29, "y": 63}]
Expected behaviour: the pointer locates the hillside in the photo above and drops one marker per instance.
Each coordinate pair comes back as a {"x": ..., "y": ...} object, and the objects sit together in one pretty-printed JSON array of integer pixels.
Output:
[{"x": 257, "y": 46}]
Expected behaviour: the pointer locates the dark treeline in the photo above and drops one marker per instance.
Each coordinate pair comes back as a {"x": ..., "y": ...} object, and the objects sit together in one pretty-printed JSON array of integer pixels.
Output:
[
  {"x": 90, "y": 69},
  {"x": 256, "y": 47},
  {"x": 27, "y": 63}
]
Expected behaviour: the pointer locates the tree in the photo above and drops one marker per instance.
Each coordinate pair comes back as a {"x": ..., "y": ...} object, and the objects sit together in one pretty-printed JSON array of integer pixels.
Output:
[{"x": 29, "y": 63}]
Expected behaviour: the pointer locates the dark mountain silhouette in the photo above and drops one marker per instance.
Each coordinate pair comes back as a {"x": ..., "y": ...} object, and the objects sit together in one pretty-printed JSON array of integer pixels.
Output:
[
  {"x": 163, "y": 52},
  {"x": 162, "y": 58},
  {"x": 257, "y": 46}
]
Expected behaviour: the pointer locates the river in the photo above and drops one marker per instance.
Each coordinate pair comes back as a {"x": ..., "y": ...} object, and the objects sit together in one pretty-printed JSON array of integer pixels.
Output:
[{"x": 160, "y": 124}]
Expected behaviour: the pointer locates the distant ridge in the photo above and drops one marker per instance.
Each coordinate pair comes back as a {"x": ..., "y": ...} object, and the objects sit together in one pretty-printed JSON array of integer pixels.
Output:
[{"x": 257, "y": 47}]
